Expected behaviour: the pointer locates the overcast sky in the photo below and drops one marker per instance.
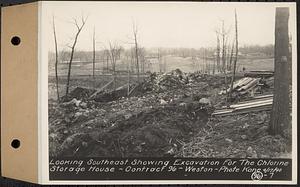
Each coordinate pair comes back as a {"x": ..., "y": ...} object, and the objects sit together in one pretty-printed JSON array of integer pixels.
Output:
[{"x": 160, "y": 24}]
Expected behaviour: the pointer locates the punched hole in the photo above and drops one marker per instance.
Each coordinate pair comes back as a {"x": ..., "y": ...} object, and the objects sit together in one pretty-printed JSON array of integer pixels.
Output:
[
  {"x": 15, "y": 40},
  {"x": 16, "y": 143}
]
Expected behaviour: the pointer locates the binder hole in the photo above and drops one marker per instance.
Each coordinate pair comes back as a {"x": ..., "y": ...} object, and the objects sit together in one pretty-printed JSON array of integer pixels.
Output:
[
  {"x": 16, "y": 143},
  {"x": 15, "y": 40}
]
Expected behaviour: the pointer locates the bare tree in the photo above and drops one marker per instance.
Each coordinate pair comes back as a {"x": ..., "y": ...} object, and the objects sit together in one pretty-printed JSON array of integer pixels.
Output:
[
  {"x": 160, "y": 66},
  {"x": 135, "y": 38},
  {"x": 231, "y": 56},
  {"x": 218, "y": 51},
  {"x": 280, "y": 111},
  {"x": 56, "y": 59},
  {"x": 128, "y": 74},
  {"x": 214, "y": 66},
  {"x": 224, "y": 36},
  {"x": 79, "y": 27},
  {"x": 106, "y": 52},
  {"x": 236, "y": 53},
  {"x": 165, "y": 64},
  {"x": 94, "y": 53},
  {"x": 114, "y": 50},
  {"x": 142, "y": 53}
]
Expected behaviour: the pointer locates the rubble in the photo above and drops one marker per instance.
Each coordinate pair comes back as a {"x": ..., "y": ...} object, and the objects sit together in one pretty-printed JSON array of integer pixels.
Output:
[{"x": 167, "y": 114}]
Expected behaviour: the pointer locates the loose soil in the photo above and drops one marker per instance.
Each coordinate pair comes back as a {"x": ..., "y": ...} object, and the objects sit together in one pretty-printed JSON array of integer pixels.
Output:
[{"x": 161, "y": 117}]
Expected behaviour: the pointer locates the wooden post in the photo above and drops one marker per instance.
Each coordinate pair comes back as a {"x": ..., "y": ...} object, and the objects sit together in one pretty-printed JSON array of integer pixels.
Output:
[{"x": 280, "y": 109}]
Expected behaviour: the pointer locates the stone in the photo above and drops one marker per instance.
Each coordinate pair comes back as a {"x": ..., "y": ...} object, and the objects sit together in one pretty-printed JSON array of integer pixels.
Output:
[{"x": 205, "y": 101}]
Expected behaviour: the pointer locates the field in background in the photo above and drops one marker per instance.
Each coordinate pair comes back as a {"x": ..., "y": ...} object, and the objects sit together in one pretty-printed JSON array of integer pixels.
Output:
[{"x": 172, "y": 62}]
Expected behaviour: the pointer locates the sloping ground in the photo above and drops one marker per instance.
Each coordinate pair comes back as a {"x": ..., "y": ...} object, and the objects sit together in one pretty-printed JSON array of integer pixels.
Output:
[{"x": 238, "y": 136}]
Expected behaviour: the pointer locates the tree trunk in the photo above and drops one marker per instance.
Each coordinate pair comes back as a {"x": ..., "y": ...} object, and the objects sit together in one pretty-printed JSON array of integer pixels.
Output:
[
  {"x": 214, "y": 67},
  {"x": 94, "y": 56},
  {"x": 223, "y": 49},
  {"x": 280, "y": 110},
  {"x": 56, "y": 61},
  {"x": 218, "y": 53},
  {"x": 136, "y": 54},
  {"x": 231, "y": 56},
  {"x": 236, "y": 55},
  {"x": 79, "y": 28},
  {"x": 128, "y": 78}
]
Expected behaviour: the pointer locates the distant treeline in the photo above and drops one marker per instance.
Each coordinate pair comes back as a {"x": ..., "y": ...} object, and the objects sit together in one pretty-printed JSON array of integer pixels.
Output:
[
  {"x": 244, "y": 51},
  {"x": 267, "y": 50}
]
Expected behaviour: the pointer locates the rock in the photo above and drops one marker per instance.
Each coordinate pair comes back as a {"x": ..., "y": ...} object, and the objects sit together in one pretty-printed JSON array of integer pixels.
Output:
[
  {"x": 205, "y": 101},
  {"x": 228, "y": 140},
  {"x": 127, "y": 116},
  {"x": 84, "y": 144},
  {"x": 244, "y": 137},
  {"x": 83, "y": 105},
  {"x": 163, "y": 102},
  {"x": 246, "y": 125},
  {"x": 171, "y": 151},
  {"x": 251, "y": 153},
  {"x": 77, "y": 114},
  {"x": 73, "y": 101}
]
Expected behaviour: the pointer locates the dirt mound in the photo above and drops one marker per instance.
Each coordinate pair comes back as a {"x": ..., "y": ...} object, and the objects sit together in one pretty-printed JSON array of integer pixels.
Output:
[{"x": 156, "y": 132}]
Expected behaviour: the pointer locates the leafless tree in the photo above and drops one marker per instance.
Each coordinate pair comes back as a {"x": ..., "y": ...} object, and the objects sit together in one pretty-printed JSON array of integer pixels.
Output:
[
  {"x": 114, "y": 50},
  {"x": 79, "y": 27},
  {"x": 236, "y": 53},
  {"x": 224, "y": 35},
  {"x": 218, "y": 51},
  {"x": 128, "y": 73},
  {"x": 214, "y": 66},
  {"x": 159, "y": 59},
  {"x": 135, "y": 38},
  {"x": 56, "y": 59},
  {"x": 142, "y": 53},
  {"x": 231, "y": 56},
  {"x": 94, "y": 54},
  {"x": 165, "y": 64},
  {"x": 106, "y": 53}
]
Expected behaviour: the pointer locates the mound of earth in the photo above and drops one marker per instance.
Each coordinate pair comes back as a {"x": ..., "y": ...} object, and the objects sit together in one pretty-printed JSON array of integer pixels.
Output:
[{"x": 156, "y": 132}]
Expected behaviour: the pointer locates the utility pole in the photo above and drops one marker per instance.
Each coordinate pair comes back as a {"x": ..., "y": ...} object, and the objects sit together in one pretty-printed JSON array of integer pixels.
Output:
[{"x": 280, "y": 110}]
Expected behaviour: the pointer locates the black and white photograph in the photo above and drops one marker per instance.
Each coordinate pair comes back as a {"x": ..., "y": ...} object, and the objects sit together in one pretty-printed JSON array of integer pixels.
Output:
[{"x": 171, "y": 80}]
